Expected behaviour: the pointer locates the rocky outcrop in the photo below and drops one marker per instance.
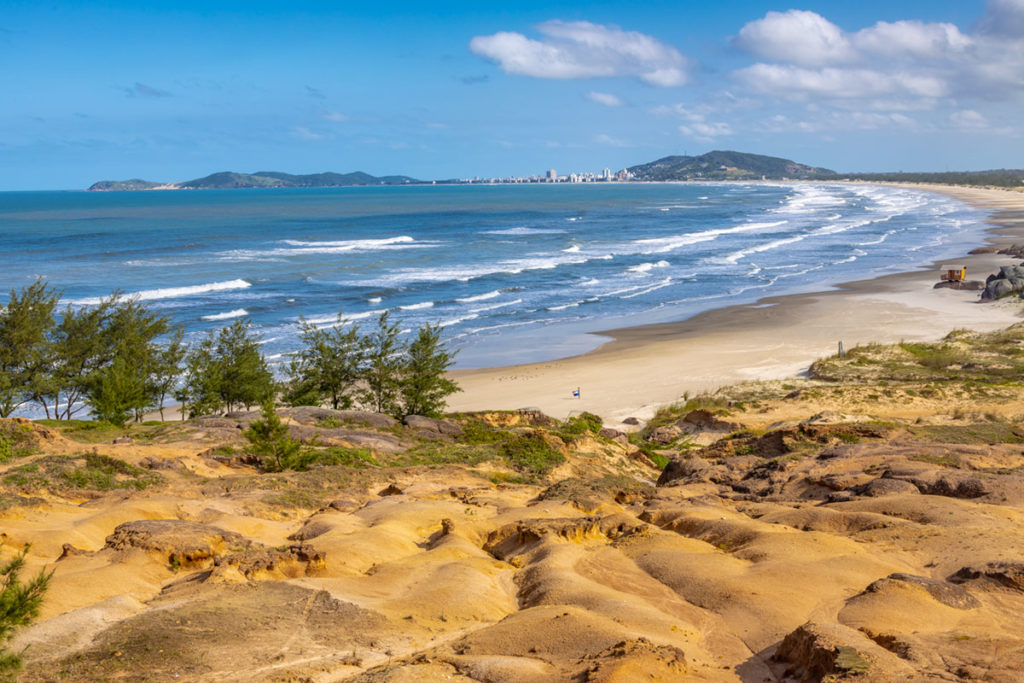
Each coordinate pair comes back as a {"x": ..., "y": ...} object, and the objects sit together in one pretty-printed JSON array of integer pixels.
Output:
[
  {"x": 1014, "y": 250},
  {"x": 384, "y": 443},
  {"x": 1009, "y": 280},
  {"x": 192, "y": 545},
  {"x": 948, "y": 594},
  {"x": 1006, "y": 574},
  {"x": 969, "y": 285},
  {"x": 181, "y": 542},
  {"x": 309, "y": 415},
  {"x": 634, "y": 660},
  {"x": 430, "y": 427},
  {"x": 694, "y": 422},
  {"x": 816, "y": 652},
  {"x": 515, "y": 538}
]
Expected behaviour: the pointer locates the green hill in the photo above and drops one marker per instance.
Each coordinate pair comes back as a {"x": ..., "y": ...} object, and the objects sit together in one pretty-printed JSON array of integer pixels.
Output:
[
  {"x": 121, "y": 185},
  {"x": 727, "y": 165},
  {"x": 229, "y": 180}
]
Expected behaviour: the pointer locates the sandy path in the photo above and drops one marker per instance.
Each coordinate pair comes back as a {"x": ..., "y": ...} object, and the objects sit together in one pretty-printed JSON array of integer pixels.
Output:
[{"x": 777, "y": 337}]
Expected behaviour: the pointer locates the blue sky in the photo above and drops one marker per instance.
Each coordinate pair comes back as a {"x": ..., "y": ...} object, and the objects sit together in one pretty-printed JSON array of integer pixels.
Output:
[{"x": 113, "y": 90}]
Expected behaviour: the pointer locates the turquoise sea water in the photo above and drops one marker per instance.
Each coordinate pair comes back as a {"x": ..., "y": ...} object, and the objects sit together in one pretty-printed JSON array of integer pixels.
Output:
[{"x": 514, "y": 273}]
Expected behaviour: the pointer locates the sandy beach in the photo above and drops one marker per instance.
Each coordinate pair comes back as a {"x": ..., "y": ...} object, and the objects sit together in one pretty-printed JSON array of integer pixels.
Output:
[{"x": 777, "y": 337}]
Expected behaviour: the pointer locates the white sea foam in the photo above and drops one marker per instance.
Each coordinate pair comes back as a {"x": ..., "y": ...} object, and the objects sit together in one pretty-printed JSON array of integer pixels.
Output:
[
  {"x": 572, "y": 250},
  {"x": 417, "y": 307},
  {"x": 458, "y": 319},
  {"x": 501, "y": 304},
  {"x": 573, "y": 304},
  {"x": 522, "y": 230},
  {"x": 883, "y": 237},
  {"x": 172, "y": 292},
  {"x": 467, "y": 272},
  {"x": 374, "y": 300},
  {"x": 480, "y": 297},
  {"x": 645, "y": 268},
  {"x": 332, "y": 320},
  {"x": 304, "y": 248},
  {"x": 833, "y": 229},
  {"x": 352, "y": 244},
  {"x": 228, "y": 315},
  {"x": 660, "y": 245},
  {"x": 664, "y": 283}
]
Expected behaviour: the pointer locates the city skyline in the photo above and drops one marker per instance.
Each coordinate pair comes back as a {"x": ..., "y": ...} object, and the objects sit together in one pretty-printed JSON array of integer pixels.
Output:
[{"x": 116, "y": 91}]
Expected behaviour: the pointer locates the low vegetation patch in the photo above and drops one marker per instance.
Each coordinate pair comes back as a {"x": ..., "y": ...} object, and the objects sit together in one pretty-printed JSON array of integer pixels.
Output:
[
  {"x": 85, "y": 472},
  {"x": 961, "y": 356},
  {"x": 16, "y": 441},
  {"x": 589, "y": 493},
  {"x": 580, "y": 425},
  {"x": 532, "y": 453},
  {"x": 976, "y": 433},
  {"x": 93, "y": 432}
]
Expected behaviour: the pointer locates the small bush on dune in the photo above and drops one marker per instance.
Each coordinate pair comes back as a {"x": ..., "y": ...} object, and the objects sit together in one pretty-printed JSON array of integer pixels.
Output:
[
  {"x": 271, "y": 447},
  {"x": 16, "y": 441},
  {"x": 532, "y": 453},
  {"x": 584, "y": 423}
]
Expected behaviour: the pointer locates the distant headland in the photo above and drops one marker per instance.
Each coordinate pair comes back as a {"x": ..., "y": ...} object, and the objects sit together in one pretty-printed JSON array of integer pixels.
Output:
[
  {"x": 228, "y": 180},
  {"x": 715, "y": 166}
]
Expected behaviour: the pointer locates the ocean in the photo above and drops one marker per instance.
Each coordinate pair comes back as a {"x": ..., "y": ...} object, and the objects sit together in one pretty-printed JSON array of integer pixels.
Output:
[{"x": 514, "y": 273}]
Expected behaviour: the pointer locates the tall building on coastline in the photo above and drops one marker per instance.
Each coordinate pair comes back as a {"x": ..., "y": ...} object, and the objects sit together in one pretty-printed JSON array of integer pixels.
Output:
[{"x": 552, "y": 176}]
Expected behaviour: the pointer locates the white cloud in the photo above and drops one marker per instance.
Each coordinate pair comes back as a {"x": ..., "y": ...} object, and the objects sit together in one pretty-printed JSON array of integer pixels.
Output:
[
  {"x": 904, "y": 65},
  {"x": 581, "y": 49},
  {"x": 303, "y": 133},
  {"x": 796, "y": 82},
  {"x": 836, "y": 121},
  {"x": 968, "y": 119},
  {"x": 913, "y": 39},
  {"x": 796, "y": 37},
  {"x": 706, "y": 131},
  {"x": 337, "y": 117},
  {"x": 605, "y": 139},
  {"x": 607, "y": 99}
]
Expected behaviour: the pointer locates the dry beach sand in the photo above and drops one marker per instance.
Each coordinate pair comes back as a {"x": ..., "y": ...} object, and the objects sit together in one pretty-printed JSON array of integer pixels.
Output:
[{"x": 648, "y": 366}]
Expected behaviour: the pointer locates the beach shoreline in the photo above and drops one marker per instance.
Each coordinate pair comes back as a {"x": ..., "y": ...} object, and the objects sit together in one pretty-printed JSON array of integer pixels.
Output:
[{"x": 776, "y": 337}]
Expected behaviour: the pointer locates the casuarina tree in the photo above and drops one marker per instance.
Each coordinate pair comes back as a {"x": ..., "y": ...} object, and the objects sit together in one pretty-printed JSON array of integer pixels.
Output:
[
  {"x": 382, "y": 370},
  {"x": 424, "y": 384}
]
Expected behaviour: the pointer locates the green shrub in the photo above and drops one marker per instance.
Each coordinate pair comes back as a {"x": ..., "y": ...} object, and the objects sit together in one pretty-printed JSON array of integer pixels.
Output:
[
  {"x": 584, "y": 423},
  {"x": 16, "y": 441},
  {"x": 476, "y": 431},
  {"x": 532, "y": 453},
  {"x": 271, "y": 446}
]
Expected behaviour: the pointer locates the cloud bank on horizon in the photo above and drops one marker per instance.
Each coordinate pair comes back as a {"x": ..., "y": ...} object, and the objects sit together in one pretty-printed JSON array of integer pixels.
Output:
[{"x": 172, "y": 94}]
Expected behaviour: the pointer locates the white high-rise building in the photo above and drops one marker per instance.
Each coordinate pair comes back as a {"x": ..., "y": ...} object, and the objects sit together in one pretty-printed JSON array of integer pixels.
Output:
[{"x": 552, "y": 176}]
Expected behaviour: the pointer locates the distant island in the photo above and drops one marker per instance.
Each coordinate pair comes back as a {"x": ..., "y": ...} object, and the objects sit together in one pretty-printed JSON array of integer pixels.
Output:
[
  {"x": 716, "y": 165},
  {"x": 228, "y": 180}
]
